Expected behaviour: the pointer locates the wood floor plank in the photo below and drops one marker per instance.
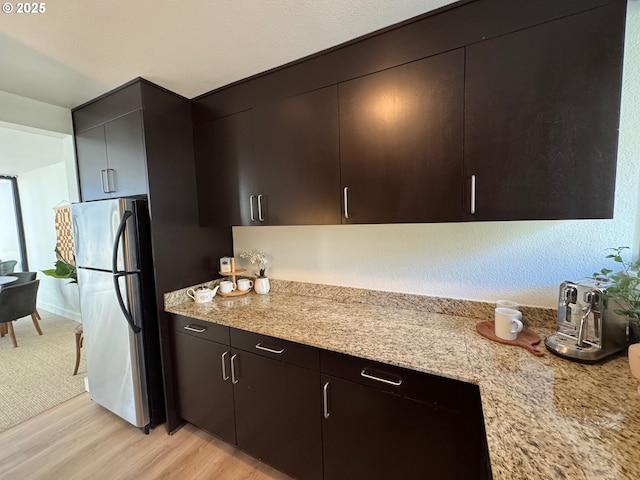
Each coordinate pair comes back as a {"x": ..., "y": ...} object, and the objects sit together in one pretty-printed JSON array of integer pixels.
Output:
[{"x": 81, "y": 440}]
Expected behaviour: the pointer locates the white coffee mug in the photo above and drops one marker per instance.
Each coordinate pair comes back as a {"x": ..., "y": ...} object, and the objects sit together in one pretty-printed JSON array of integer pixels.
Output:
[
  {"x": 227, "y": 287},
  {"x": 201, "y": 295},
  {"x": 244, "y": 284},
  {"x": 507, "y": 304},
  {"x": 508, "y": 323}
]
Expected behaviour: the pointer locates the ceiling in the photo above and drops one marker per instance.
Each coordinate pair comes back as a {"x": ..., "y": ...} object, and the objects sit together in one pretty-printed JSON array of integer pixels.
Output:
[{"x": 79, "y": 49}]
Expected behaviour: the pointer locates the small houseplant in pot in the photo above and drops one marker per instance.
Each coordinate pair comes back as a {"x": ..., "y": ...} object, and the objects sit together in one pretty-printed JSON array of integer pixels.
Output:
[
  {"x": 62, "y": 269},
  {"x": 261, "y": 284},
  {"x": 624, "y": 290}
]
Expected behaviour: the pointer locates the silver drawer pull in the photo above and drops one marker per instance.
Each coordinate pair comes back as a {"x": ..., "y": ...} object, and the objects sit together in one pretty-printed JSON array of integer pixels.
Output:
[
  {"x": 267, "y": 349},
  {"x": 473, "y": 194},
  {"x": 191, "y": 328},
  {"x": 395, "y": 383},
  {"x": 234, "y": 378},
  {"x": 225, "y": 375},
  {"x": 325, "y": 400}
]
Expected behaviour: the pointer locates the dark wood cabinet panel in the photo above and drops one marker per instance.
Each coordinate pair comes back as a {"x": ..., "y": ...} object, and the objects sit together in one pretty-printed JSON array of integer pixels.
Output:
[
  {"x": 391, "y": 422},
  {"x": 278, "y": 414},
  {"x": 450, "y": 27},
  {"x": 378, "y": 435},
  {"x": 91, "y": 151},
  {"x": 296, "y": 166},
  {"x": 541, "y": 124},
  {"x": 109, "y": 106},
  {"x": 111, "y": 159},
  {"x": 126, "y": 154},
  {"x": 203, "y": 383},
  {"x": 401, "y": 138},
  {"x": 223, "y": 148}
]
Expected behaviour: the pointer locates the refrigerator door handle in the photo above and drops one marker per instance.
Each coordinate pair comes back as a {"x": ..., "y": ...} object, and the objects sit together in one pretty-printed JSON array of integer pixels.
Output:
[{"x": 117, "y": 274}]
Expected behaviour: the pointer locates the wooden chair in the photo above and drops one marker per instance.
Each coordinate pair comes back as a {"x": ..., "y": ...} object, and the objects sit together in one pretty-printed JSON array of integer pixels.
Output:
[
  {"x": 79, "y": 342},
  {"x": 18, "y": 301}
]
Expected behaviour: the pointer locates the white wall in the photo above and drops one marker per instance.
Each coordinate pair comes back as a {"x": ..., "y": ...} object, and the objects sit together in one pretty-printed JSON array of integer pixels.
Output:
[
  {"x": 521, "y": 261},
  {"x": 40, "y": 191},
  {"x": 18, "y": 110}
]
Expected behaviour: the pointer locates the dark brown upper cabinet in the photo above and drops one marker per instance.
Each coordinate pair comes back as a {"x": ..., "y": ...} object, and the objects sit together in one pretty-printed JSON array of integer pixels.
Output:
[
  {"x": 401, "y": 142},
  {"x": 111, "y": 159},
  {"x": 541, "y": 119},
  {"x": 222, "y": 148},
  {"x": 472, "y": 112},
  {"x": 295, "y": 176},
  {"x": 276, "y": 164}
]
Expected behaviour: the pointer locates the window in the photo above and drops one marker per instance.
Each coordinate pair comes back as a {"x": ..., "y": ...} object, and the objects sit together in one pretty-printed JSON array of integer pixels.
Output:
[{"x": 12, "y": 244}]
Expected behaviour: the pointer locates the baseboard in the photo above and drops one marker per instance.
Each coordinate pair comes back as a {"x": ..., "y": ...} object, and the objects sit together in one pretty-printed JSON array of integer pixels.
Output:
[{"x": 62, "y": 312}]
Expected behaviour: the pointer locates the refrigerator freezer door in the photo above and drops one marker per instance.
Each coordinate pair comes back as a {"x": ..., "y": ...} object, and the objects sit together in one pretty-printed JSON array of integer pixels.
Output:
[
  {"x": 114, "y": 354},
  {"x": 94, "y": 230},
  {"x": 95, "y": 227}
]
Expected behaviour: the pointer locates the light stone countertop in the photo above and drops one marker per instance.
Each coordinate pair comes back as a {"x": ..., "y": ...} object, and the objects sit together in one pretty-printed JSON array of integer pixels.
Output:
[{"x": 545, "y": 417}]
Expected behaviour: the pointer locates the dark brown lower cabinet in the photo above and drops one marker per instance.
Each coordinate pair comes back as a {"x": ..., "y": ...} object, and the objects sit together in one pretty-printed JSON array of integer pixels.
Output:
[
  {"x": 322, "y": 415},
  {"x": 205, "y": 392},
  {"x": 382, "y": 422},
  {"x": 277, "y": 414}
]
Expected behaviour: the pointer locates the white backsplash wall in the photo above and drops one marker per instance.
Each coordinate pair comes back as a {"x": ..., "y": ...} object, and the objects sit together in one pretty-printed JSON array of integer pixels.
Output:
[{"x": 520, "y": 261}]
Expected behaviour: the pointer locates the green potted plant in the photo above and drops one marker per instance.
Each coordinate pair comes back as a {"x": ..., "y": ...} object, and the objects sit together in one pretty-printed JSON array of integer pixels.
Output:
[
  {"x": 624, "y": 289},
  {"x": 62, "y": 269}
]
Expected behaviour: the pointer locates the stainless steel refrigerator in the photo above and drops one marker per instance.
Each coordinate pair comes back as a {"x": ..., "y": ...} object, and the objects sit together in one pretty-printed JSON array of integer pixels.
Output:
[{"x": 118, "y": 308}]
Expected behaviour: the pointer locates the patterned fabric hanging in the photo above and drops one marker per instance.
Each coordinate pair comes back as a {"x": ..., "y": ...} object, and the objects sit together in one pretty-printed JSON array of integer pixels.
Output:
[{"x": 64, "y": 233}]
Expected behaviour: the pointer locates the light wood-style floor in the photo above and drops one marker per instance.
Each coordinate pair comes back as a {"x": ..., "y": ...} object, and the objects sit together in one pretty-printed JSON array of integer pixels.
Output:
[{"x": 81, "y": 440}]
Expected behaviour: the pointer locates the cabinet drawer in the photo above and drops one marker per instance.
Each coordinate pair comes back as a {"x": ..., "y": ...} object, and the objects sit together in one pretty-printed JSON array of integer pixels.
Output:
[
  {"x": 283, "y": 350},
  {"x": 201, "y": 329},
  {"x": 432, "y": 389}
]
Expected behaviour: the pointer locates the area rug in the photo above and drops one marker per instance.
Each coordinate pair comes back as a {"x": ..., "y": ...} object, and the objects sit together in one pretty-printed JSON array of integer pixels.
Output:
[{"x": 37, "y": 375}]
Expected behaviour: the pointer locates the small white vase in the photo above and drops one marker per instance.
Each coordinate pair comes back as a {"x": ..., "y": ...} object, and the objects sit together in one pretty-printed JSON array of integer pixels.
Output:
[{"x": 261, "y": 285}]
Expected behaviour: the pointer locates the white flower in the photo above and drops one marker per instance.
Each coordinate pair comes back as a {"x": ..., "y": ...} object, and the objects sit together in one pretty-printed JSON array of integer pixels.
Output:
[{"x": 256, "y": 258}]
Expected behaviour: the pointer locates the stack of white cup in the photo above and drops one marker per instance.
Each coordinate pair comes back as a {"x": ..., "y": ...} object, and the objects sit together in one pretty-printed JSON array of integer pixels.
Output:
[{"x": 508, "y": 320}]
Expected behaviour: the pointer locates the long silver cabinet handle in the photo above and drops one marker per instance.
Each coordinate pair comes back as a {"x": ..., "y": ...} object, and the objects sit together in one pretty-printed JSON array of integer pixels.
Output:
[
  {"x": 234, "y": 379},
  {"x": 260, "y": 217},
  {"x": 259, "y": 346},
  {"x": 110, "y": 175},
  {"x": 473, "y": 194},
  {"x": 102, "y": 182},
  {"x": 395, "y": 383},
  {"x": 325, "y": 400},
  {"x": 345, "y": 192},
  {"x": 253, "y": 218},
  {"x": 191, "y": 328},
  {"x": 225, "y": 376}
]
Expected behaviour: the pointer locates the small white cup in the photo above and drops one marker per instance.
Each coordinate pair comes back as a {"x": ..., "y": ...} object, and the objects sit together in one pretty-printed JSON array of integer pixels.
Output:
[
  {"x": 201, "y": 295},
  {"x": 508, "y": 323},
  {"x": 244, "y": 284},
  {"x": 507, "y": 304},
  {"x": 227, "y": 287}
]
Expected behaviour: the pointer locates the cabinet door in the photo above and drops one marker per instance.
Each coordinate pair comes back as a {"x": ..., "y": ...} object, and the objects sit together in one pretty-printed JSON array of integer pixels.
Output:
[
  {"x": 223, "y": 151},
  {"x": 205, "y": 392},
  {"x": 541, "y": 123},
  {"x": 401, "y": 142},
  {"x": 277, "y": 414},
  {"x": 297, "y": 167},
  {"x": 91, "y": 152},
  {"x": 372, "y": 434},
  {"x": 126, "y": 155}
]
